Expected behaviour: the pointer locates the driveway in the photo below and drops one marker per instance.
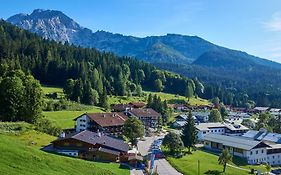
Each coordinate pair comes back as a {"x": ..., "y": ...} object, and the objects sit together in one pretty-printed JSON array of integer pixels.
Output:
[
  {"x": 143, "y": 146},
  {"x": 136, "y": 172},
  {"x": 163, "y": 167}
]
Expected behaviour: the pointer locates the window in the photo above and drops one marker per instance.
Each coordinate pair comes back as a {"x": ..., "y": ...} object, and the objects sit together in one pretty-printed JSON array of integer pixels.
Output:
[
  {"x": 204, "y": 132},
  {"x": 257, "y": 151},
  {"x": 251, "y": 152},
  {"x": 272, "y": 157},
  {"x": 262, "y": 151}
]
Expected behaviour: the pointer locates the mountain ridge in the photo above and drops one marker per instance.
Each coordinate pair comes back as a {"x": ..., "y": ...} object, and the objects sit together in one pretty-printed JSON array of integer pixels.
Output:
[{"x": 175, "y": 48}]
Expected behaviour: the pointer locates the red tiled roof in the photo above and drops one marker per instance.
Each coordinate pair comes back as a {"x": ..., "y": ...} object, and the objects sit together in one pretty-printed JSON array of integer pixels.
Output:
[
  {"x": 108, "y": 119},
  {"x": 147, "y": 112}
]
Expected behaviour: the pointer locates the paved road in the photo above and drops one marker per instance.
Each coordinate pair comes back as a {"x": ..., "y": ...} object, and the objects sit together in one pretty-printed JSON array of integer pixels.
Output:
[
  {"x": 143, "y": 146},
  {"x": 162, "y": 165},
  {"x": 136, "y": 172},
  {"x": 164, "y": 168}
]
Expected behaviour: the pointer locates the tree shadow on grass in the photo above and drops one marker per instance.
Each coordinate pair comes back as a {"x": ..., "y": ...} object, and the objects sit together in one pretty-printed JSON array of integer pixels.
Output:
[
  {"x": 124, "y": 167},
  {"x": 213, "y": 172}
]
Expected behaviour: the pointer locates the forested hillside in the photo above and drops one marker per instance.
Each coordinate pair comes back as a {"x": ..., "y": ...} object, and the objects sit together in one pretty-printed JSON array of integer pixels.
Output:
[
  {"x": 234, "y": 76},
  {"x": 85, "y": 73}
]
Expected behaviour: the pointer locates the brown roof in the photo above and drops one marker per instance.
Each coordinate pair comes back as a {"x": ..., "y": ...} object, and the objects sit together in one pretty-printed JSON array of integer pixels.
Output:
[
  {"x": 137, "y": 104},
  {"x": 108, "y": 119},
  {"x": 147, "y": 112},
  {"x": 120, "y": 107}
]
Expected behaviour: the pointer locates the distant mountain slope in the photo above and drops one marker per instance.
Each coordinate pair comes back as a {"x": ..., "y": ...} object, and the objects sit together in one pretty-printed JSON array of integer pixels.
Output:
[
  {"x": 171, "y": 48},
  {"x": 191, "y": 56}
]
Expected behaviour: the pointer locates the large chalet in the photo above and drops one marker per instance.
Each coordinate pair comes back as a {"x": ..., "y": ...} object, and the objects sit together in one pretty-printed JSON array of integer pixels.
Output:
[
  {"x": 109, "y": 123},
  {"x": 92, "y": 146},
  {"x": 149, "y": 117}
]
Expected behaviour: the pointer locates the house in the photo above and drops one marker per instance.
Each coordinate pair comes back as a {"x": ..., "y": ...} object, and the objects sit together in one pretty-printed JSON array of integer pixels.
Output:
[
  {"x": 253, "y": 151},
  {"x": 255, "y": 146},
  {"x": 260, "y": 109},
  {"x": 137, "y": 104},
  {"x": 149, "y": 117},
  {"x": 201, "y": 107},
  {"x": 181, "y": 120},
  {"x": 242, "y": 115},
  {"x": 179, "y": 107},
  {"x": 219, "y": 128},
  {"x": 120, "y": 107},
  {"x": 181, "y": 117},
  {"x": 109, "y": 123},
  {"x": 201, "y": 116},
  {"x": 275, "y": 112},
  {"x": 91, "y": 146}
]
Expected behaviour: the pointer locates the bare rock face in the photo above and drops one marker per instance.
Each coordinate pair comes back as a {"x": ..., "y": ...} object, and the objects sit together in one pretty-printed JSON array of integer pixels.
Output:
[{"x": 50, "y": 24}]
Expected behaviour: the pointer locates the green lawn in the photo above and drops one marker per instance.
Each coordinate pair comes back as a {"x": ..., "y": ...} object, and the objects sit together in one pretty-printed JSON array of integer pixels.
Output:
[
  {"x": 188, "y": 164},
  {"x": 20, "y": 154},
  {"x": 50, "y": 89},
  {"x": 64, "y": 119},
  {"x": 172, "y": 98}
]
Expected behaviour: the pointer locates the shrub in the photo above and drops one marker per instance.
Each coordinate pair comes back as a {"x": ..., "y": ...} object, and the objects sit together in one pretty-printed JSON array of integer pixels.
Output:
[{"x": 46, "y": 126}]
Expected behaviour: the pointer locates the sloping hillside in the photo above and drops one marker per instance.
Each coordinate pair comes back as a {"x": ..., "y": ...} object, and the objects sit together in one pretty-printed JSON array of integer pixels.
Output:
[{"x": 20, "y": 154}]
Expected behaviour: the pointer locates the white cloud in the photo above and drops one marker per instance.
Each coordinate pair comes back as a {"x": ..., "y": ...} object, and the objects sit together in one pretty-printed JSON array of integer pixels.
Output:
[{"x": 275, "y": 23}]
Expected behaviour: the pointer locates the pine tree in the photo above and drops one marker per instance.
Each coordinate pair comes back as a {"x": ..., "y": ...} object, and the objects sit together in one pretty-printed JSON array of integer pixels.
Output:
[
  {"x": 104, "y": 99},
  {"x": 149, "y": 100},
  {"x": 189, "y": 134}
]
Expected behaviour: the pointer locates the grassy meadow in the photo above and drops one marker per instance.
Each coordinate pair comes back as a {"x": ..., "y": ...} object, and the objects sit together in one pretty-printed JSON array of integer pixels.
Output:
[
  {"x": 64, "y": 119},
  {"x": 20, "y": 154},
  {"x": 188, "y": 164}
]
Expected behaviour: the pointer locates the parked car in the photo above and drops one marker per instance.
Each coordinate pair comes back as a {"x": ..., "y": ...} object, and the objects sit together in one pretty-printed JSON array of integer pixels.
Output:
[{"x": 276, "y": 171}]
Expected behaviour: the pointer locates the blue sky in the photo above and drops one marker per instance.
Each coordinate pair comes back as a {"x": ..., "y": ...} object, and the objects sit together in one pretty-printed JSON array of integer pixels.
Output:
[{"x": 253, "y": 26}]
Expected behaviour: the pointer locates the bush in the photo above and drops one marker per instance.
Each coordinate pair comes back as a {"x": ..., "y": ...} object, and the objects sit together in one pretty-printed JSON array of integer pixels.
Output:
[
  {"x": 62, "y": 104},
  {"x": 46, "y": 126},
  {"x": 14, "y": 127}
]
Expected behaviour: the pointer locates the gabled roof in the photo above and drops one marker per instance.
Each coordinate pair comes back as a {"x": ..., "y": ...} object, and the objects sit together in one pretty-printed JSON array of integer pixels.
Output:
[
  {"x": 147, "y": 112},
  {"x": 94, "y": 138},
  {"x": 137, "y": 104},
  {"x": 275, "y": 110},
  {"x": 263, "y": 136},
  {"x": 121, "y": 107},
  {"x": 233, "y": 127},
  {"x": 261, "y": 108},
  {"x": 107, "y": 119},
  {"x": 234, "y": 141},
  {"x": 182, "y": 116}
]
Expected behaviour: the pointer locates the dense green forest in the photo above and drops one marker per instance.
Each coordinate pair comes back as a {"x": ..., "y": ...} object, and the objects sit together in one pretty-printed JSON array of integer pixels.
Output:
[
  {"x": 87, "y": 74},
  {"x": 238, "y": 88}
]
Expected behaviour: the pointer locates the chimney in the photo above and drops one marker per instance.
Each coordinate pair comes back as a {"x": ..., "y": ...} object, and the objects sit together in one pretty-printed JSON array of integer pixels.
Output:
[
  {"x": 62, "y": 135},
  {"x": 99, "y": 133}
]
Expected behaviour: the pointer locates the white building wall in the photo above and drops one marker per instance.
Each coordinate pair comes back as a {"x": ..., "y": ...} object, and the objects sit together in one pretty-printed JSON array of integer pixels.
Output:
[
  {"x": 82, "y": 123},
  {"x": 256, "y": 156},
  {"x": 274, "y": 159},
  {"x": 201, "y": 134}
]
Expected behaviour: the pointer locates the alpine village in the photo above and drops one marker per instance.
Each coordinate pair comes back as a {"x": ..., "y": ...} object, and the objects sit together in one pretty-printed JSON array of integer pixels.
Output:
[{"x": 78, "y": 101}]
